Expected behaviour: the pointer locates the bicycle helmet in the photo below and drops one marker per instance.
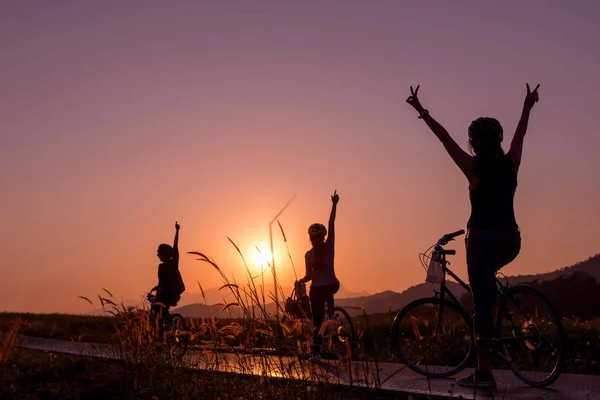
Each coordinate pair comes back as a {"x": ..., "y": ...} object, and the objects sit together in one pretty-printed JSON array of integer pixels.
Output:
[
  {"x": 484, "y": 128},
  {"x": 317, "y": 230}
]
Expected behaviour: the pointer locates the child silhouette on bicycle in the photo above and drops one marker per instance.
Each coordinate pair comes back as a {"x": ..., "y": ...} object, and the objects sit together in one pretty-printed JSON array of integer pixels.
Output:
[
  {"x": 170, "y": 283},
  {"x": 320, "y": 270}
]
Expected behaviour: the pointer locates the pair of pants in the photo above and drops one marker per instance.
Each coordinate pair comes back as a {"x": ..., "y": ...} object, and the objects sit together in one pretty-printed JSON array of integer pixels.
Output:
[
  {"x": 319, "y": 295},
  {"x": 488, "y": 250}
]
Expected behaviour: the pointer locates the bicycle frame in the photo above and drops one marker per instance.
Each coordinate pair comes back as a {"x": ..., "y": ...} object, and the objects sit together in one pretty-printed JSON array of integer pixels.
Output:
[
  {"x": 444, "y": 288},
  {"x": 296, "y": 295},
  {"x": 524, "y": 330}
]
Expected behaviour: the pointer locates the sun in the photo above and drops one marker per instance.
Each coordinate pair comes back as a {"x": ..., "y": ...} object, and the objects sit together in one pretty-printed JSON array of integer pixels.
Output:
[{"x": 261, "y": 257}]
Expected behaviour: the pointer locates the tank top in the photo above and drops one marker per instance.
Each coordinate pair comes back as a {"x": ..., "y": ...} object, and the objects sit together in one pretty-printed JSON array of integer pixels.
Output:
[
  {"x": 492, "y": 199},
  {"x": 326, "y": 274}
]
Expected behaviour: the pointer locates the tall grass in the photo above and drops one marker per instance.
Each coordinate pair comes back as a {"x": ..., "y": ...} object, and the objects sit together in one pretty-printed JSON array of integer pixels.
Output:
[{"x": 279, "y": 347}]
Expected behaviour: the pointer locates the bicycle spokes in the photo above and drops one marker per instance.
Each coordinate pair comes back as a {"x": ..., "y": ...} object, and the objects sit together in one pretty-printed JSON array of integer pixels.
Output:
[
  {"x": 432, "y": 339},
  {"x": 530, "y": 336}
]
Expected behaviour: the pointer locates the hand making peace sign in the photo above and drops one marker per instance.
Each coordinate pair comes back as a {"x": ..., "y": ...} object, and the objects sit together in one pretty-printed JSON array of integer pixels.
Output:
[
  {"x": 413, "y": 99},
  {"x": 532, "y": 97}
]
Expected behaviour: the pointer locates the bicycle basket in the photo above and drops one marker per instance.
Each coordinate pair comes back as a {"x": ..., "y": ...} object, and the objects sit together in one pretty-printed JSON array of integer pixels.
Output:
[
  {"x": 297, "y": 309},
  {"x": 435, "y": 272},
  {"x": 297, "y": 306}
]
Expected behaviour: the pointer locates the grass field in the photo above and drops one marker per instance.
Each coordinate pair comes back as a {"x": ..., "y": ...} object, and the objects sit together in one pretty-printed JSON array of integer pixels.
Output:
[
  {"x": 28, "y": 374},
  {"x": 583, "y": 337},
  {"x": 144, "y": 372}
]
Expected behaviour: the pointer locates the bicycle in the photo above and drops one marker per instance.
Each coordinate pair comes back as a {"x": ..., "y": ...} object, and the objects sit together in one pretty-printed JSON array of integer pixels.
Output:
[
  {"x": 452, "y": 345},
  {"x": 337, "y": 331},
  {"x": 172, "y": 327}
]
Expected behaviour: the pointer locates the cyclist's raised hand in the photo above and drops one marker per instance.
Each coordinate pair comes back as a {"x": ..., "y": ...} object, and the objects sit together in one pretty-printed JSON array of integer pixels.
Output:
[
  {"x": 177, "y": 227},
  {"x": 335, "y": 197},
  {"x": 532, "y": 97},
  {"x": 413, "y": 99}
]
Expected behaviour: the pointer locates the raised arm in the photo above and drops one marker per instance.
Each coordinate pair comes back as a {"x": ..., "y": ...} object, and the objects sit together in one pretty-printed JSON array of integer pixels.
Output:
[
  {"x": 460, "y": 157},
  {"x": 335, "y": 198},
  {"x": 516, "y": 146},
  {"x": 176, "y": 244}
]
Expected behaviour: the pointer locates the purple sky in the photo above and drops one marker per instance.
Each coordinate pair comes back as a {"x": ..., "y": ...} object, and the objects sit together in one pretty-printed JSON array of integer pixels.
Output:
[{"x": 119, "y": 118}]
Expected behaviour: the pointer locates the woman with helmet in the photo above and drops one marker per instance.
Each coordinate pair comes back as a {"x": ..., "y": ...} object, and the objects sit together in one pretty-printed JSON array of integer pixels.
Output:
[
  {"x": 320, "y": 270},
  {"x": 493, "y": 237}
]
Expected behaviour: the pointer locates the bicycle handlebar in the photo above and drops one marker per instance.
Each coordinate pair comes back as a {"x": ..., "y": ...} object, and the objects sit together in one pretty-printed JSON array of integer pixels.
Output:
[
  {"x": 455, "y": 234},
  {"x": 444, "y": 241},
  {"x": 449, "y": 236},
  {"x": 151, "y": 297}
]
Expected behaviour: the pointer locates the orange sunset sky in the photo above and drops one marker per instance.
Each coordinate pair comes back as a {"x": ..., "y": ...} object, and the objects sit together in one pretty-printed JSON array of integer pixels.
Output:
[{"x": 119, "y": 118}]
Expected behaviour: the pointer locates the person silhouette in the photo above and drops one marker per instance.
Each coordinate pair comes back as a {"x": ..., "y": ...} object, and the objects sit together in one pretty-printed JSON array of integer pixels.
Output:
[
  {"x": 493, "y": 236},
  {"x": 320, "y": 270},
  {"x": 170, "y": 283}
]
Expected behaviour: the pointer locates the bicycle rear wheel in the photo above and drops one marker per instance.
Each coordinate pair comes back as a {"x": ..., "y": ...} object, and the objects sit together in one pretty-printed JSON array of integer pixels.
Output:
[
  {"x": 531, "y": 336},
  {"x": 178, "y": 336},
  {"x": 433, "y": 337}
]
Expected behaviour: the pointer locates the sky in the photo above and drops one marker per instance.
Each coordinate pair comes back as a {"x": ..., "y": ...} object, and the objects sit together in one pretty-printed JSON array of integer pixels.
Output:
[{"x": 120, "y": 118}]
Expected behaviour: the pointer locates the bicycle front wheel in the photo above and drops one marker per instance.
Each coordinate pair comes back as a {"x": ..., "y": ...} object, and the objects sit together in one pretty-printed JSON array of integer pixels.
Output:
[
  {"x": 433, "y": 337},
  {"x": 339, "y": 335},
  {"x": 531, "y": 336},
  {"x": 178, "y": 336}
]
